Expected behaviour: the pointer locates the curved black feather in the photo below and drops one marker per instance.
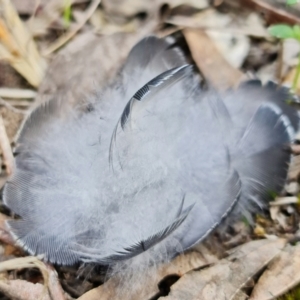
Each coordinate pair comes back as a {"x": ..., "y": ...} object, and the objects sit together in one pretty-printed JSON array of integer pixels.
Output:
[
  {"x": 161, "y": 81},
  {"x": 169, "y": 77}
]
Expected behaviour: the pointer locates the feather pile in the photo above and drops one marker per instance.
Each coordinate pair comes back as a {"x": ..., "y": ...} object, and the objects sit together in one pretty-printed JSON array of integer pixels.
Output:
[{"x": 150, "y": 166}]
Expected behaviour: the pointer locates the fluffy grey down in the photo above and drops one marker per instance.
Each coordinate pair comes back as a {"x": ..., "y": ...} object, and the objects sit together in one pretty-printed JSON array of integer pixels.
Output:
[{"x": 152, "y": 164}]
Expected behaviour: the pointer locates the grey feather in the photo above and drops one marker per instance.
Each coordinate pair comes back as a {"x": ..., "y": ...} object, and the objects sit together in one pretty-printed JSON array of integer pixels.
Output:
[
  {"x": 220, "y": 152},
  {"x": 138, "y": 248}
]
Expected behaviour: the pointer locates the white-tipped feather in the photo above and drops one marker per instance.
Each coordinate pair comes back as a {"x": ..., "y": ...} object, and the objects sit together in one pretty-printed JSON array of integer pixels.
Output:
[{"x": 188, "y": 158}]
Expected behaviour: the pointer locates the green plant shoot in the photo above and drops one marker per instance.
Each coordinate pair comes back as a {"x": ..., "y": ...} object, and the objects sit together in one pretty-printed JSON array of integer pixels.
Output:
[
  {"x": 292, "y": 2},
  {"x": 283, "y": 31},
  {"x": 67, "y": 13}
]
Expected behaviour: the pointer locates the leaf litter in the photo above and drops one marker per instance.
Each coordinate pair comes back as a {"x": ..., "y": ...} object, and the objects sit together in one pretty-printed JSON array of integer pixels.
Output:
[{"x": 262, "y": 262}]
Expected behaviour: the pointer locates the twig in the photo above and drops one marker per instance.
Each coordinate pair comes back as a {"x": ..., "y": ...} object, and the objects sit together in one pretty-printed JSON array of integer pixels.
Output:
[
  {"x": 17, "y": 93},
  {"x": 11, "y": 107},
  {"x": 65, "y": 38},
  {"x": 284, "y": 201},
  {"x": 19, "y": 103},
  {"x": 8, "y": 157}
]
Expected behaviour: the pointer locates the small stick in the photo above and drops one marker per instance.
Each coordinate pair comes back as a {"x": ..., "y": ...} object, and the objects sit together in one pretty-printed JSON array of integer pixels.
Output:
[
  {"x": 8, "y": 157},
  {"x": 11, "y": 107},
  {"x": 284, "y": 201},
  {"x": 17, "y": 93}
]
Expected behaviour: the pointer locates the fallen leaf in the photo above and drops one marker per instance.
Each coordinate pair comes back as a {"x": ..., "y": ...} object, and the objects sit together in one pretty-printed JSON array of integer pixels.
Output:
[
  {"x": 28, "y": 7},
  {"x": 210, "y": 18},
  {"x": 282, "y": 275},
  {"x": 179, "y": 266},
  {"x": 213, "y": 66},
  {"x": 272, "y": 14},
  {"x": 225, "y": 279},
  {"x": 103, "y": 26},
  {"x": 121, "y": 10},
  {"x": 229, "y": 37},
  {"x": 23, "y": 290}
]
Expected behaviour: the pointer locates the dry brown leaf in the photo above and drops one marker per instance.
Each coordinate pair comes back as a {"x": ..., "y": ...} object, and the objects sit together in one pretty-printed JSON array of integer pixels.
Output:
[
  {"x": 281, "y": 276},
  {"x": 230, "y": 37},
  {"x": 23, "y": 290},
  {"x": 18, "y": 47},
  {"x": 28, "y": 7},
  {"x": 179, "y": 266},
  {"x": 225, "y": 279},
  {"x": 223, "y": 23},
  {"x": 121, "y": 10},
  {"x": 103, "y": 26},
  {"x": 25, "y": 6},
  {"x": 211, "y": 63},
  {"x": 272, "y": 14}
]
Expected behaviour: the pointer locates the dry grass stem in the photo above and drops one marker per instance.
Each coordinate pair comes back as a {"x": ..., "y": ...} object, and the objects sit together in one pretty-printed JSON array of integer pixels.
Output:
[
  {"x": 8, "y": 157},
  {"x": 18, "y": 47},
  {"x": 17, "y": 93},
  {"x": 11, "y": 107}
]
